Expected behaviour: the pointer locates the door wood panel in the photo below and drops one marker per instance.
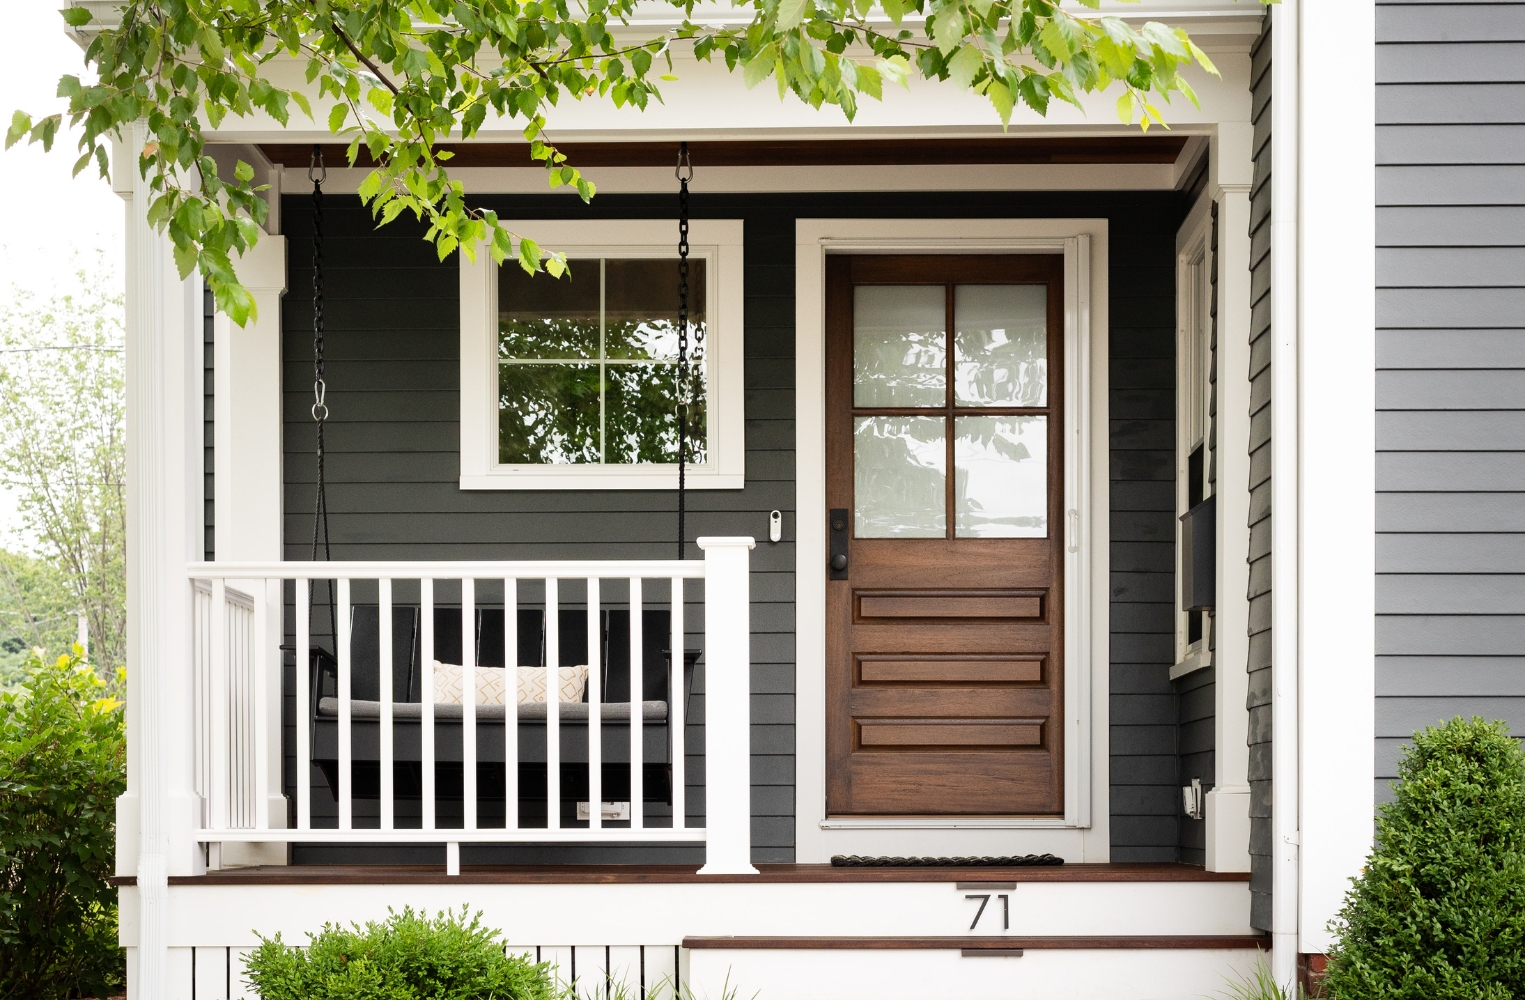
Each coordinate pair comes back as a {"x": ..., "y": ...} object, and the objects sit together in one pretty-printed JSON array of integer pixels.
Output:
[{"x": 944, "y": 654}]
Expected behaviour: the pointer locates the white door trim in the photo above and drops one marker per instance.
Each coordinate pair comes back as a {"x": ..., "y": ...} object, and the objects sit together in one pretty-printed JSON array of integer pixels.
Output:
[{"x": 1081, "y": 834}]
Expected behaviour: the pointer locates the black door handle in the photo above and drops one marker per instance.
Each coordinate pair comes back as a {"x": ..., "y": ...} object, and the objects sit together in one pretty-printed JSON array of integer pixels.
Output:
[
  {"x": 837, "y": 549},
  {"x": 839, "y": 562}
]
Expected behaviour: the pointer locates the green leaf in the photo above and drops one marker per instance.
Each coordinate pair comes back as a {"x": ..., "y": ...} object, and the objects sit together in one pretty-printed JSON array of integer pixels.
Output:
[
  {"x": 1000, "y": 96},
  {"x": 76, "y": 17},
  {"x": 1125, "y": 107},
  {"x": 894, "y": 10},
  {"x": 185, "y": 260},
  {"x": 757, "y": 69},
  {"x": 529, "y": 255},
  {"x": 336, "y": 117},
  {"x": 965, "y": 64},
  {"x": 243, "y": 171},
  {"x": 301, "y": 102},
  {"x": 791, "y": 13},
  {"x": 381, "y": 100},
  {"x": 21, "y": 124},
  {"x": 870, "y": 82},
  {"x": 948, "y": 28}
]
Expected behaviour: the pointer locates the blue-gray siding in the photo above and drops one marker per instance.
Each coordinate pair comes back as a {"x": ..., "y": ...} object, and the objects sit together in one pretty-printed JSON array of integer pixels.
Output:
[
  {"x": 1450, "y": 368},
  {"x": 393, "y": 443}
]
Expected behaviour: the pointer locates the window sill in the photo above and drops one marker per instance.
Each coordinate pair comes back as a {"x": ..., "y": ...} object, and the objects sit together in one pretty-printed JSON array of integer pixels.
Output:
[
  {"x": 589, "y": 478},
  {"x": 1199, "y": 660}
]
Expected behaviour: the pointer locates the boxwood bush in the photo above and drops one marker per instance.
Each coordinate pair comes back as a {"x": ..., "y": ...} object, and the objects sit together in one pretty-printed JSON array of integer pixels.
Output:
[
  {"x": 62, "y": 766},
  {"x": 406, "y": 956},
  {"x": 1439, "y": 912}
]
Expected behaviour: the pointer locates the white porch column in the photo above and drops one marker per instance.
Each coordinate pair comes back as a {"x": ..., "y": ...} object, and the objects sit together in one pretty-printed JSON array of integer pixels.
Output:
[
  {"x": 1336, "y": 543},
  {"x": 247, "y": 486},
  {"x": 1228, "y": 804},
  {"x": 160, "y": 812},
  {"x": 727, "y": 706}
]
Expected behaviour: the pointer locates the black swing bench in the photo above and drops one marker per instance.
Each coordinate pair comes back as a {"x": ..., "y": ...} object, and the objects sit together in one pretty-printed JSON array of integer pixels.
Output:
[{"x": 408, "y": 681}]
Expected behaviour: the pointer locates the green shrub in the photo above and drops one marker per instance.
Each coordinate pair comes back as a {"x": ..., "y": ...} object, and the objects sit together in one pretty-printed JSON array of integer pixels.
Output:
[
  {"x": 408, "y": 955},
  {"x": 62, "y": 766},
  {"x": 1439, "y": 912}
]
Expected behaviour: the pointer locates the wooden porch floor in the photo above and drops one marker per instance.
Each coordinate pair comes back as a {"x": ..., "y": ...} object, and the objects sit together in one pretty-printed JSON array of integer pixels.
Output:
[{"x": 680, "y": 874}]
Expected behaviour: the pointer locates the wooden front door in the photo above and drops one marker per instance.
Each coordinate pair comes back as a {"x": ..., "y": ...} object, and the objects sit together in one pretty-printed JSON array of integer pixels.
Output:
[{"x": 944, "y": 594}]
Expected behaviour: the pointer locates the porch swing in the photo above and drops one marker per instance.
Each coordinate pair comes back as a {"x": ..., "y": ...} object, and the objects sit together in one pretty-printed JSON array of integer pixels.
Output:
[{"x": 489, "y": 641}]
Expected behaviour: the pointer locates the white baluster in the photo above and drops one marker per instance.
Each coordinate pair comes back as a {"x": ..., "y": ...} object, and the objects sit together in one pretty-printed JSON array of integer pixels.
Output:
[
  {"x": 426, "y": 710},
  {"x": 220, "y": 808},
  {"x": 637, "y": 702},
  {"x": 552, "y": 707},
  {"x": 304, "y": 713},
  {"x": 595, "y": 714},
  {"x": 469, "y": 703},
  {"x": 511, "y": 703},
  {"x": 260, "y": 671},
  {"x": 384, "y": 682},
  {"x": 727, "y": 703},
  {"x": 346, "y": 785},
  {"x": 675, "y": 707}
]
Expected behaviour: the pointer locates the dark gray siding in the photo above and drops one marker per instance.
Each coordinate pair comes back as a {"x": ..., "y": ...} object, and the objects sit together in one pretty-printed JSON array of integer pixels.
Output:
[
  {"x": 1451, "y": 369},
  {"x": 1259, "y": 701},
  {"x": 392, "y": 317}
]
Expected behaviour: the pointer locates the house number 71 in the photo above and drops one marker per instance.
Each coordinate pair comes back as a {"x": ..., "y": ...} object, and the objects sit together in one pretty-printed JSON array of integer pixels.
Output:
[{"x": 985, "y": 901}]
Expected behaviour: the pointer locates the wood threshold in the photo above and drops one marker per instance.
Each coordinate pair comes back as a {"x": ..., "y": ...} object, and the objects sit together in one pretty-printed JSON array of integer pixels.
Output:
[
  {"x": 679, "y": 875},
  {"x": 1011, "y": 944}
]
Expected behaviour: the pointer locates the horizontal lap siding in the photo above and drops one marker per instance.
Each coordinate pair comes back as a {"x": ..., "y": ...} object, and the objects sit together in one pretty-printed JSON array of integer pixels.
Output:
[
  {"x": 393, "y": 462},
  {"x": 1451, "y": 369},
  {"x": 1259, "y": 665}
]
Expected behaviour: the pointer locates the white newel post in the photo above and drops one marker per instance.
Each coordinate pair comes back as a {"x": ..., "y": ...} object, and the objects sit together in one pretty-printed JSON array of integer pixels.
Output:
[
  {"x": 160, "y": 812},
  {"x": 247, "y": 489},
  {"x": 727, "y": 706}
]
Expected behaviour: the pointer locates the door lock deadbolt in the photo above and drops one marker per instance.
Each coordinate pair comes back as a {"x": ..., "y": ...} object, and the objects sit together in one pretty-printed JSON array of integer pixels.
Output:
[{"x": 836, "y": 559}]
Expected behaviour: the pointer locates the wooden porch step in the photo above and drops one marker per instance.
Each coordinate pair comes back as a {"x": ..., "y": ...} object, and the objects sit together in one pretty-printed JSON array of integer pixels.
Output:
[{"x": 684, "y": 874}]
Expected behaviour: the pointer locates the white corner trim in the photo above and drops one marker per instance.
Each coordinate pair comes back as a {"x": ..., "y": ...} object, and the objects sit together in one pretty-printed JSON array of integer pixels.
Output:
[
  {"x": 719, "y": 243},
  {"x": 1081, "y": 834}
]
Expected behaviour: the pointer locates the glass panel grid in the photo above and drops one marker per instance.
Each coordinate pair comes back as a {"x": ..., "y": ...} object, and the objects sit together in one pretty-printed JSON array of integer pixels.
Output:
[
  {"x": 999, "y": 365},
  {"x": 587, "y": 372}
]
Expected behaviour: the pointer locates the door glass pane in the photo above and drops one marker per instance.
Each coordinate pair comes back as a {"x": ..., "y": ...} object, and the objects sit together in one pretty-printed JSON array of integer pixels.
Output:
[
  {"x": 900, "y": 335},
  {"x": 899, "y": 470},
  {"x": 1001, "y": 477},
  {"x": 1000, "y": 345}
]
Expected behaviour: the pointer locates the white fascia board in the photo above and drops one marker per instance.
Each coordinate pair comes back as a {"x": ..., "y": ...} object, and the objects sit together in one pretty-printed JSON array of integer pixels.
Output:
[{"x": 709, "y": 100}]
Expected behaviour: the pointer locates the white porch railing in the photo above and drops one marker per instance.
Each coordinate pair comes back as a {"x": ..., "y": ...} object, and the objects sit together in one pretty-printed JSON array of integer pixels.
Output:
[{"x": 237, "y": 668}]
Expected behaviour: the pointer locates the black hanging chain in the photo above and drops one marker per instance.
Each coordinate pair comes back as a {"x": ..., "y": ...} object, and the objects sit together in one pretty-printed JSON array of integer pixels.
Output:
[
  {"x": 684, "y": 173},
  {"x": 318, "y": 173}
]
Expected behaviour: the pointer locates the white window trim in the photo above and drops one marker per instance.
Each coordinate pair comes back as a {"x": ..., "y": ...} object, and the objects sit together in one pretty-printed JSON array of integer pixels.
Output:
[
  {"x": 719, "y": 242},
  {"x": 1082, "y": 832},
  {"x": 1193, "y": 245}
]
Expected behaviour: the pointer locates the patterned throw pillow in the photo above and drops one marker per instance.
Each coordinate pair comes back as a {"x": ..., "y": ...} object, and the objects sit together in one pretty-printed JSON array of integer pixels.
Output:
[
  {"x": 572, "y": 681},
  {"x": 492, "y": 689}
]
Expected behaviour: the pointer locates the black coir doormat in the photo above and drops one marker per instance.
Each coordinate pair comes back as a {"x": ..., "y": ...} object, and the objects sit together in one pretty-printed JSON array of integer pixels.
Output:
[{"x": 1022, "y": 861}]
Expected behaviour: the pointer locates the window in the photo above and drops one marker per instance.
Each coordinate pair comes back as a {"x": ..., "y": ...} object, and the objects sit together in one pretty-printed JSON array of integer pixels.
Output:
[
  {"x": 1194, "y": 421},
  {"x": 573, "y": 383}
]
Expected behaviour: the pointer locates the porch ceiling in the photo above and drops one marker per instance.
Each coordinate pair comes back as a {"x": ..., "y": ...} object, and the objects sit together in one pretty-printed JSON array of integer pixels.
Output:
[{"x": 796, "y": 152}]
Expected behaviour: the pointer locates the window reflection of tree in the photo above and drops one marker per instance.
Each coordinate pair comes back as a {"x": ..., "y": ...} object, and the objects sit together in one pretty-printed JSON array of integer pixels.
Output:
[
  {"x": 1012, "y": 512},
  {"x": 899, "y": 477}
]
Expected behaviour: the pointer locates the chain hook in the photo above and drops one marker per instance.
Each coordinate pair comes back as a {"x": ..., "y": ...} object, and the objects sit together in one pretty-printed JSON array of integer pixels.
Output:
[
  {"x": 685, "y": 168},
  {"x": 319, "y": 407},
  {"x": 316, "y": 171}
]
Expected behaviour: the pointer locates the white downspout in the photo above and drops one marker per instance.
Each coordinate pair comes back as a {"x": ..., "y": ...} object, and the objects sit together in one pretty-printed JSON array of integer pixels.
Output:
[{"x": 1286, "y": 322}]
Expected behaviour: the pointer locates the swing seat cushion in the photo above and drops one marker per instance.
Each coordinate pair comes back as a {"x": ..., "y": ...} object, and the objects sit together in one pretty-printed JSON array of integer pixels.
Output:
[
  {"x": 529, "y": 711},
  {"x": 492, "y": 684}
]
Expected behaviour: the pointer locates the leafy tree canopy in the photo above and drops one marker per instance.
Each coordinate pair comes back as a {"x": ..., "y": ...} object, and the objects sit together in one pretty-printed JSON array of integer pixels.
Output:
[{"x": 399, "y": 77}]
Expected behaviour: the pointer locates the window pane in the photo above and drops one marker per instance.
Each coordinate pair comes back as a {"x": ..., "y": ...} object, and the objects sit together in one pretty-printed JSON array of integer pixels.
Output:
[
  {"x": 1000, "y": 345},
  {"x": 548, "y": 414},
  {"x": 1001, "y": 477},
  {"x": 899, "y": 479},
  {"x": 900, "y": 335},
  {"x": 641, "y": 308},
  {"x": 640, "y": 415},
  {"x": 544, "y": 317}
]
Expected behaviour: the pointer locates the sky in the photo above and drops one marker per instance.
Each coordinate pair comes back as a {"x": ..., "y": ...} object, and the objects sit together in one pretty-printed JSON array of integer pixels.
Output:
[{"x": 47, "y": 217}]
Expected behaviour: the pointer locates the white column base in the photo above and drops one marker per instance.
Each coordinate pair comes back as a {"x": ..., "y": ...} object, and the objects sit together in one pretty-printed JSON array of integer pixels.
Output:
[{"x": 1228, "y": 830}]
